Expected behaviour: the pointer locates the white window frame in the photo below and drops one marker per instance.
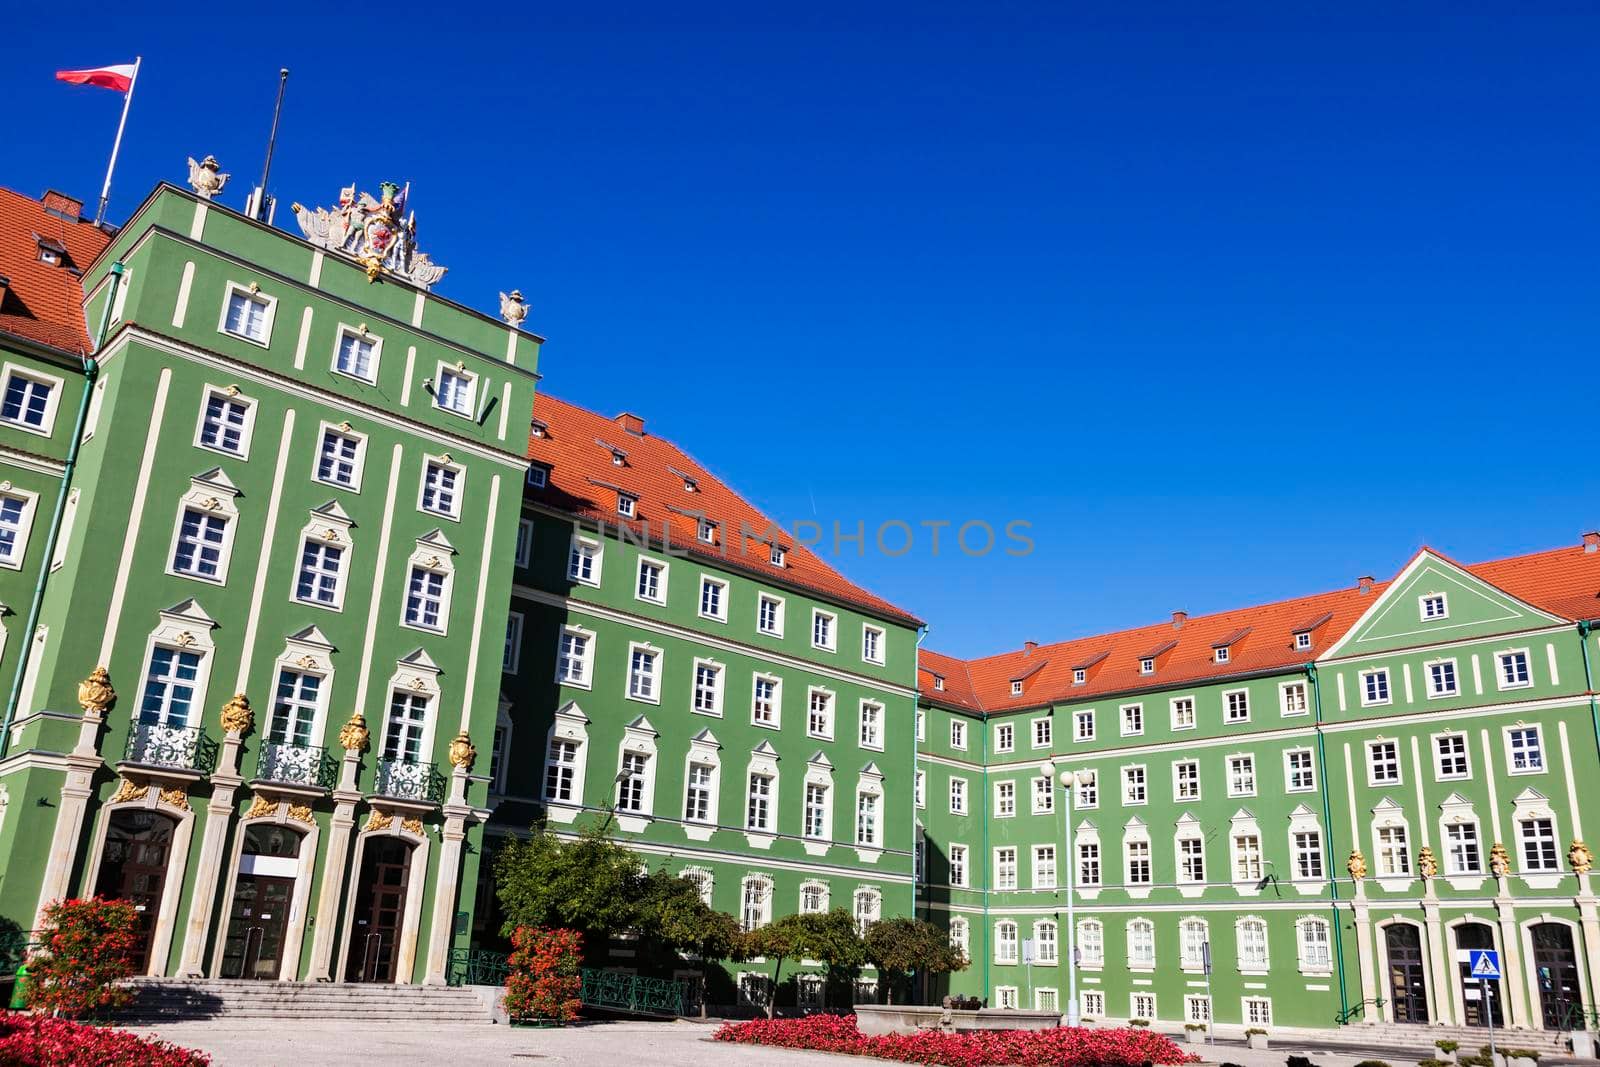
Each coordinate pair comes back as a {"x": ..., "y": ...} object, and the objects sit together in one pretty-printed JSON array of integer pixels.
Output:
[
  {"x": 882, "y": 637},
  {"x": 1247, "y": 784},
  {"x": 1005, "y": 799},
  {"x": 443, "y": 462},
  {"x": 1373, "y": 763},
  {"x": 1422, "y": 607},
  {"x": 1315, "y": 967},
  {"x": 1044, "y": 725},
  {"x": 456, "y": 370},
  {"x": 872, "y": 741},
  {"x": 362, "y": 333},
  {"x": 830, "y": 702},
  {"x": 720, "y": 607},
  {"x": 1178, "y": 794},
  {"x": 1439, "y": 756},
  {"x": 1435, "y": 693},
  {"x": 831, "y": 644},
  {"x": 1235, "y": 706},
  {"x": 329, "y": 527},
  {"x": 249, "y": 292},
  {"x": 1500, "y": 668},
  {"x": 1079, "y": 718},
  {"x": 1005, "y": 737},
  {"x": 1185, "y": 705},
  {"x": 777, "y": 601},
  {"x": 720, "y": 674},
  {"x": 1131, "y": 719},
  {"x": 357, "y": 464},
  {"x": 1128, "y": 784},
  {"x": 1045, "y": 877},
  {"x": 524, "y": 546},
  {"x": 1289, "y": 771},
  {"x": 229, "y": 395},
  {"x": 1007, "y": 872},
  {"x": 959, "y": 865},
  {"x": 1368, "y": 680},
  {"x": 665, "y": 568},
  {"x": 958, "y": 735},
  {"x": 657, "y": 674},
  {"x": 776, "y": 720},
  {"x": 435, "y": 555},
  {"x": 511, "y": 660},
  {"x": 52, "y": 403},
  {"x": 29, "y": 508},
  {"x": 1284, "y": 689},
  {"x": 585, "y": 662},
  {"x": 210, "y": 493},
  {"x": 959, "y": 791},
  {"x": 1544, "y": 752},
  {"x": 596, "y": 558}
]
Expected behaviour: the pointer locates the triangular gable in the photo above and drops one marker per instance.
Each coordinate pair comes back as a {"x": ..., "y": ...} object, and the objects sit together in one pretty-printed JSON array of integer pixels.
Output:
[{"x": 1473, "y": 608}]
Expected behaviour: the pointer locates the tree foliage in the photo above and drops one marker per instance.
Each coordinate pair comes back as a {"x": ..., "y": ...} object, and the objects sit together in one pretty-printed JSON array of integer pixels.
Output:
[
  {"x": 86, "y": 955},
  {"x": 901, "y": 945},
  {"x": 591, "y": 884}
]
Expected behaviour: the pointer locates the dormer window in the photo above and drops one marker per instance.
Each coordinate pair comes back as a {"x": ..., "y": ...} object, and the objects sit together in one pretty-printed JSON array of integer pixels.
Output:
[
  {"x": 708, "y": 531},
  {"x": 1016, "y": 688},
  {"x": 779, "y": 556},
  {"x": 1221, "y": 653},
  {"x": 1147, "y": 665},
  {"x": 626, "y": 504},
  {"x": 1080, "y": 675},
  {"x": 537, "y": 428},
  {"x": 1433, "y": 606},
  {"x": 938, "y": 683},
  {"x": 51, "y": 252},
  {"x": 538, "y": 476},
  {"x": 1302, "y": 641},
  {"x": 618, "y": 459}
]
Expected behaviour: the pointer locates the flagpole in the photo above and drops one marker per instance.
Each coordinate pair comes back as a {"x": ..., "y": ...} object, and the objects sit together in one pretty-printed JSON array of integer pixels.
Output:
[{"x": 127, "y": 98}]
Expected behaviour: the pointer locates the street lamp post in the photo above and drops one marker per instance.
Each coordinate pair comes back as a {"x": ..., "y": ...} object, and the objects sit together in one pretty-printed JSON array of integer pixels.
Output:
[{"x": 1068, "y": 863}]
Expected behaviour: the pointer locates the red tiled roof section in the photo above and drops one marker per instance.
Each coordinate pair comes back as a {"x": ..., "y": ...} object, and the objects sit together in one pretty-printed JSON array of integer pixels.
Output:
[
  {"x": 1562, "y": 581},
  {"x": 584, "y": 480},
  {"x": 43, "y": 302}
]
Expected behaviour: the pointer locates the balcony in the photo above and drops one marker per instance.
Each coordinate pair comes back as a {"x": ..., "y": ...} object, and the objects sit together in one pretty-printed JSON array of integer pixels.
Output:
[
  {"x": 410, "y": 780},
  {"x": 304, "y": 766},
  {"x": 184, "y": 749}
]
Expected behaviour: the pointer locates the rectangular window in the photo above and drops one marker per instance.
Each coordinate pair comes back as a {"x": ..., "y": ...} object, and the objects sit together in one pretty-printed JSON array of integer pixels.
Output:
[
  {"x": 200, "y": 538},
  {"x": 1539, "y": 845},
  {"x": 1375, "y": 687},
  {"x": 1316, "y": 953},
  {"x": 457, "y": 391},
  {"x": 1450, "y": 759},
  {"x": 642, "y": 666},
  {"x": 1083, "y": 726},
  {"x": 816, "y": 810},
  {"x": 1044, "y": 795},
  {"x": 758, "y": 807},
  {"x": 1005, "y": 799},
  {"x": 958, "y": 734},
  {"x": 1186, "y": 780},
  {"x": 425, "y": 599},
  {"x": 630, "y": 782},
  {"x": 561, "y": 770},
  {"x": 713, "y": 599},
  {"x": 1089, "y": 863},
  {"x": 538, "y": 476},
  {"x": 224, "y": 422},
  {"x": 1005, "y": 868},
  {"x": 958, "y": 796},
  {"x": 1257, "y": 1011},
  {"x": 958, "y": 865},
  {"x": 1307, "y": 854},
  {"x": 1132, "y": 719},
  {"x": 26, "y": 401},
  {"x": 1192, "y": 860},
  {"x": 707, "y": 697},
  {"x": 872, "y": 644},
  {"x": 764, "y": 700},
  {"x": 357, "y": 356},
  {"x": 1005, "y": 736},
  {"x": 13, "y": 528},
  {"x": 1041, "y": 733},
  {"x": 1196, "y": 1009},
  {"x": 320, "y": 567},
  {"x": 920, "y": 789},
  {"x": 1143, "y": 1005},
  {"x": 652, "y": 581},
  {"x": 1182, "y": 713},
  {"x": 1293, "y": 698},
  {"x": 871, "y": 725},
  {"x": 1461, "y": 851},
  {"x": 248, "y": 315},
  {"x": 1142, "y": 953},
  {"x": 1088, "y": 783},
  {"x": 1044, "y": 866},
  {"x": 1525, "y": 750},
  {"x": 1394, "y": 854},
  {"x": 168, "y": 697},
  {"x": 1133, "y": 785},
  {"x": 524, "y": 549},
  {"x": 769, "y": 615},
  {"x": 1006, "y": 995},
  {"x": 583, "y": 562},
  {"x": 1299, "y": 771},
  {"x": 1383, "y": 762},
  {"x": 1513, "y": 672},
  {"x": 339, "y": 459},
  {"x": 822, "y": 630},
  {"x": 1442, "y": 679},
  {"x": 1246, "y": 858},
  {"x": 1094, "y": 1005},
  {"x": 572, "y": 659},
  {"x": 441, "y": 486},
  {"x": 1236, "y": 706},
  {"x": 1241, "y": 776},
  {"x": 1433, "y": 606},
  {"x": 819, "y": 714},
  {"x": 867, "y": 819},
  {"x": 294, "y": 708},
  {"x": 408, "y": 720},
  {"x": 1138, "y": 862}
]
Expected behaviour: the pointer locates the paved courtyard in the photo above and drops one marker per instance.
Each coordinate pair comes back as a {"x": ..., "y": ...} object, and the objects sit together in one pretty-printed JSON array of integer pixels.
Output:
[{"x": 252, "y": 1043}]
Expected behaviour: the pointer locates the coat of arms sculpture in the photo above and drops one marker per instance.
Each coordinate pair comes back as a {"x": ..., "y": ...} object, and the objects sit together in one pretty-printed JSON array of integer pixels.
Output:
[{"x": 374, "y": 233}]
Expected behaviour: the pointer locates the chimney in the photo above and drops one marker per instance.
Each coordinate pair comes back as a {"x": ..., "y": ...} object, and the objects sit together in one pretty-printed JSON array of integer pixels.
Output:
[
  {"x": 1591, "y": 541},
  {"x": 1028, "y": 647},
  {"x": 1364, "y": 584},
  {"x": 631, "y": 423},
  {"x": 61, "y": 204},
  {"x": 1179, "y": 618}
]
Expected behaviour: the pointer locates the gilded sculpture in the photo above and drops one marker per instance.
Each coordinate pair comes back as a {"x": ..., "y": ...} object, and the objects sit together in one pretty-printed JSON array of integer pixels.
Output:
[
  {"x": 1356, "y": 865},
  {"x": 1580, "y": 858},
  {"x": 1499, "y": 860},
  {"x": 237, "y": 716},
  {"x": 353, "y": 734},
  {"x": 95, "y": 693},
  {"x": 1427, "y": 866},
  {"x": 462, "y": 754}
]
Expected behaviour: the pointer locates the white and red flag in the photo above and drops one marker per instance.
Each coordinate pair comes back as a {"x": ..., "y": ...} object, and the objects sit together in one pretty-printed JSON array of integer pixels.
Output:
[{"x": 118, "y": 77}]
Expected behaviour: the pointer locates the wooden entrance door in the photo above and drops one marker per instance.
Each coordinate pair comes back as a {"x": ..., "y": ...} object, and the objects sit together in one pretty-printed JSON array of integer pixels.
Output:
[
  {"x": 1555, "y": 965},
  {"x": 133, "y": 867},
  {"x": 256, "y": 925},
  {"x": 1473, "y": 992},
  {"x": 1408, "y": 982},
  {"x": 379, "y": 911}
]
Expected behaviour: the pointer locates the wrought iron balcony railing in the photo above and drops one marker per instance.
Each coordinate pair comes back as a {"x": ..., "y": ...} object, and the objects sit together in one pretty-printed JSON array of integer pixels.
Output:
[
  {"x": 184, "y": 748},
  {"x": 404, "y": 779},
  {"x": 290, "y": 764}
]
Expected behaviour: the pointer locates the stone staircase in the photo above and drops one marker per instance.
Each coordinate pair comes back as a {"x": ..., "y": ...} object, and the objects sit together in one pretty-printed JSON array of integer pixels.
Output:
[
  {"x": 158, "y": 1000},
  {"x": 1419, "y": 1039}
]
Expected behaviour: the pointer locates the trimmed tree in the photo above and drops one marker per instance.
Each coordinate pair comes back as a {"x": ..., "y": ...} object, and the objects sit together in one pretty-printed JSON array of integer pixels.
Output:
[
  {"x": 831, "y": 938},
  {"x": 672, "y": 913},
  {"x": 86, "y": 954},
  {"x": 590, "y": 884},
  {"x": 902, "y": 945},
  {"x": 777, "y": 941}
]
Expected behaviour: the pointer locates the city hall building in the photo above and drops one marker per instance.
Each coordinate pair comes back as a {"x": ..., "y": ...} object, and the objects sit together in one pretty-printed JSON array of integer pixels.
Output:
[{"x": 313, "y": 596}]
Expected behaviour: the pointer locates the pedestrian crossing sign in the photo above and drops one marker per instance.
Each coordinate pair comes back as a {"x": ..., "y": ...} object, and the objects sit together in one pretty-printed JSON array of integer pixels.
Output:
[{"x": 1484, "y": 963}]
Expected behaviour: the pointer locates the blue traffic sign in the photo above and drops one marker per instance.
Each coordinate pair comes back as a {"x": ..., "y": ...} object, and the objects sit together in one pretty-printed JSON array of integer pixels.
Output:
[{"x": 1483, "y": 963}]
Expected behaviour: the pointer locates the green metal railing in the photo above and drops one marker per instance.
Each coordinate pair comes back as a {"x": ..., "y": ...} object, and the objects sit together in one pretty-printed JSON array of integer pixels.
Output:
[
  {"x": 635, "y": 993},
  {"x": 1355, "y": 1010},
  {"x": 1572, "y": 1017},
  {"x": 476, "y": 967}
]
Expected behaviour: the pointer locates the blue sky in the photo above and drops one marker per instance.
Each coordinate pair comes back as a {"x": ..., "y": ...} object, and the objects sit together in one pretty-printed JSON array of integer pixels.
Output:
[{"x": 1228, "y": 307}]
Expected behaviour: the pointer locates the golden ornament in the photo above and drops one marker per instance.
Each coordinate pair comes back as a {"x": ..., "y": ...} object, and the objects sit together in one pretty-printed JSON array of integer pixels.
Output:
[
  {"x": 237, "y": 716},
  {"x": 95, "y": 694},
  {"x": 353, "y": 734}
]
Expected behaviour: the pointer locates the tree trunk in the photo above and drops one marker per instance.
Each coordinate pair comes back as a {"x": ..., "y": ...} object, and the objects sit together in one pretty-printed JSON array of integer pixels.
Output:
[{"x": 772, "y": 994}]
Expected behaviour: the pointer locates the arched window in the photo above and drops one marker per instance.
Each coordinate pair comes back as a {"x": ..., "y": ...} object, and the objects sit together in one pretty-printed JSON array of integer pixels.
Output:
[
  {"x": 703, "y": 879},
  {"x": 1044, "y": 940},
  {"x": 1192, "y": 937},
  {"x": 1316, "y": 954},
  {"x": 1005, "y": 941},
  {"x": 1141, "y": 943},
  {"x": 959, "y": 937},
  {"x": 1252, "y": 935},
  {"x": 1091, "y": 942},
  {"x": 813, "y": 898},
  {"x": 756, "y": 901},
  {"x": 868, "y": 906}
]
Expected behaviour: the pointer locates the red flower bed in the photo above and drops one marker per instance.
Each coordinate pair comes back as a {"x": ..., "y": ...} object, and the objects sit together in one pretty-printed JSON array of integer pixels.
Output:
[
  {"x": 1061, "y": 1047},
  {"x": 41, "y": 1041},
  {"x": 544, "y": 982}
]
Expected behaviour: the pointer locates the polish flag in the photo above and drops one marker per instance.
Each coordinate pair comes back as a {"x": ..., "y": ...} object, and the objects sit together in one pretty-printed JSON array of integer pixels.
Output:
[{"x": 119, "y": 77}]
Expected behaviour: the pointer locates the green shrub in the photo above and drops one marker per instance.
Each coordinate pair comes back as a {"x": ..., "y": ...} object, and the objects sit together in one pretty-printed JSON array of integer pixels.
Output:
[
  {"x": 1138, "y": 1022},
  {"x": 1255, "y": 1030},
  {"x": 1431, "y": 1062},
  {"x": 1446, "y": 1046},
  {"x": 1522, "y": 1054},
  {"x": 1191, "y": 1027},
  {"x": 1372, "y": 1063}
]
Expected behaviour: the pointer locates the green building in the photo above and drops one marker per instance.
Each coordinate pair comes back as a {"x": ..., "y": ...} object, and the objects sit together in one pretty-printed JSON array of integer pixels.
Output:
[{"x": 266, "y": 495}]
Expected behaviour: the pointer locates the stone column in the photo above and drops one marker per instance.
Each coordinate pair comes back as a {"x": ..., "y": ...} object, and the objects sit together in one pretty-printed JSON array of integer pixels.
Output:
[
  {"x": 225, "y": 781},
  {"x": 1357, "y": 866},
  {"x": 353, "y": 736},
  {"x": 441, "y": 931},
  {"x": 1582, "y": 860},
  {"x": 95, "y": 695},
  {"x": 1442, "y": 990},
  {"x": 1513, "y": 983}
]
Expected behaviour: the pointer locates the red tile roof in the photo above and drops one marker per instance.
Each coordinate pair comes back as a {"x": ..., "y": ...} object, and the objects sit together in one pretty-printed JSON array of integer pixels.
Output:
[
  {"x": 43, "y": 302},
  {"x": 582, "y": 449},
  {"x": 1563, "y": 581}
]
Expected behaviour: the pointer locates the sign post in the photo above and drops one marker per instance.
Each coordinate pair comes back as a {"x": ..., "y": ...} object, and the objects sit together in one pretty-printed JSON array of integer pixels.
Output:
[
  {"x": 1205, "y": 961},
  {"x": 1484, "y": 965}
]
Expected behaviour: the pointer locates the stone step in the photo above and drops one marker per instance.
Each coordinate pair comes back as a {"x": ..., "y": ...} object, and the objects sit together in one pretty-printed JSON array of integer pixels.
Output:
[{"x": 240, "y": 999}]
